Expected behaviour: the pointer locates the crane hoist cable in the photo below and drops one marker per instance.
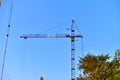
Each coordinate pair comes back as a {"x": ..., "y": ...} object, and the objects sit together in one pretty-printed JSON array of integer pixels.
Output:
[{"x": 7, "y": 36}]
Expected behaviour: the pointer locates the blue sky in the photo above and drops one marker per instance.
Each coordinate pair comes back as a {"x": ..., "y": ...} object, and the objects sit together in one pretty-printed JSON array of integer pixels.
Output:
[{"x": 97, "y": 20}]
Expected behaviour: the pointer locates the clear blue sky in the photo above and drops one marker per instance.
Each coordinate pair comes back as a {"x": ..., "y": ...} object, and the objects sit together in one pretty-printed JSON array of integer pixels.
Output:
[{"x": 97, "y": 20}]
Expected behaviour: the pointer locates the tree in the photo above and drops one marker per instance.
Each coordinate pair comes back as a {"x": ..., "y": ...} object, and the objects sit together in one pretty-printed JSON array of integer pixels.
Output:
[
  {"x": 93, "y": 65},
  {"x": 0, "y": 2},
  {"x": 113, "y": 70},
  {"x": 41, "y": 78},
  {"x": 99, "y": 68}
]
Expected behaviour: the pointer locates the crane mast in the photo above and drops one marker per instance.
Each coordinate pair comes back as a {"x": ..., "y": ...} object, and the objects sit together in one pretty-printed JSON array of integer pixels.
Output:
[
  {"x": 72, "y": 36},
  {"x": 72, "y": 51}
]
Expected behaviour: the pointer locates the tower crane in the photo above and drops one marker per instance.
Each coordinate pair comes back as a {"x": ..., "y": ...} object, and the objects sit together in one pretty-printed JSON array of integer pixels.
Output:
[{"x": 72, "y": 36}]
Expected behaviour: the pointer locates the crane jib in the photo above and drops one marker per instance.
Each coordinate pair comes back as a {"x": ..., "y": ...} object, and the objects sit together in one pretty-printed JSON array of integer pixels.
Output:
[{"x": 25, "y": 36}]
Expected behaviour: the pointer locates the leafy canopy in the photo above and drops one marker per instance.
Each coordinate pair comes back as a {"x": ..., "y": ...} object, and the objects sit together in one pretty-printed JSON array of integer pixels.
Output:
[{"x": 99, "y": 68}]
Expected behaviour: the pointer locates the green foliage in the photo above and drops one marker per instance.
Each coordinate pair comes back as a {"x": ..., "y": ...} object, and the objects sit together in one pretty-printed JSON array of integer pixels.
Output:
[
  {"x": 98, "y": 67},
  {"x": 90, "y": 63},
  {"x": 41, "y": 78},
  {"x": 113, "y": 70},
  {"x": 0, "y": 2}
]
